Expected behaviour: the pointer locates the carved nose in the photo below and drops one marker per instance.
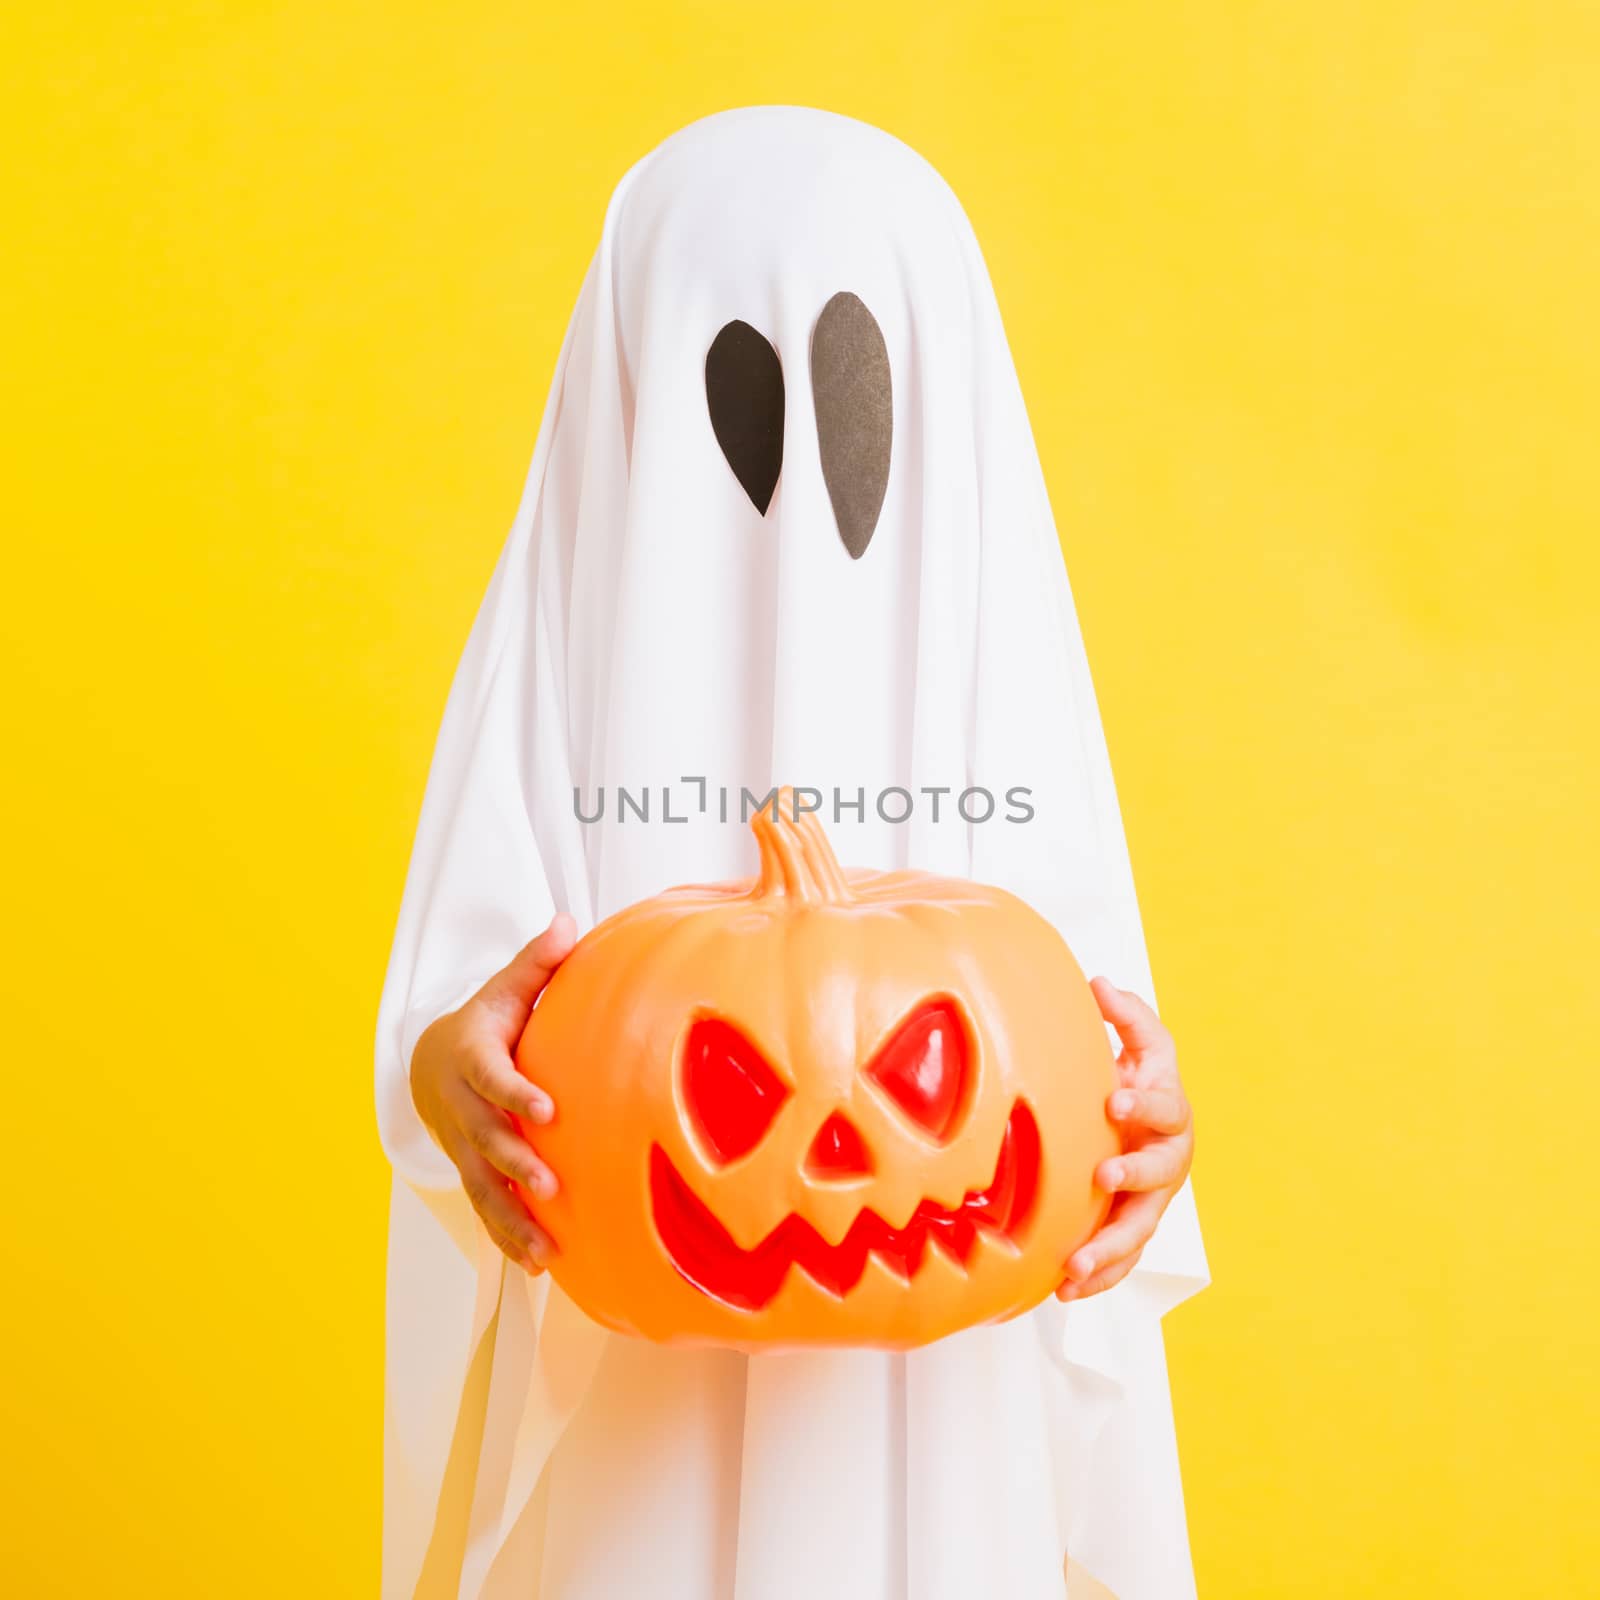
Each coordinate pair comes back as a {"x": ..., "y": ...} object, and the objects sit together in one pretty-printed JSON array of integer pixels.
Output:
[{"x": 837, "y": 1151}]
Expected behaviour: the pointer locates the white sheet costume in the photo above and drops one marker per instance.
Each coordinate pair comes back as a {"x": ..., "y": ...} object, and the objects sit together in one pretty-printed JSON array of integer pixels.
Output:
[{"x": 646, "y": 626}]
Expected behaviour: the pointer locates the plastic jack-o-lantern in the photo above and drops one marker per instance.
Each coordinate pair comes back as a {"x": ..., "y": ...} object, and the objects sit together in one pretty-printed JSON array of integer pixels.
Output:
[{"x": 820, "y": 1107}]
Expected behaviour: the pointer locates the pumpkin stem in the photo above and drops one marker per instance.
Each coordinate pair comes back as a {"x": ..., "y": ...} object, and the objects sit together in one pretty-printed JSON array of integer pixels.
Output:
[{"x": 796, "y": 858}]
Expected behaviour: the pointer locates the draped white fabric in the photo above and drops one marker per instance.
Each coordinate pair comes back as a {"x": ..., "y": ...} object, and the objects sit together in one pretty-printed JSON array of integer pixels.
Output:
[{"x": 646, "y": 625}]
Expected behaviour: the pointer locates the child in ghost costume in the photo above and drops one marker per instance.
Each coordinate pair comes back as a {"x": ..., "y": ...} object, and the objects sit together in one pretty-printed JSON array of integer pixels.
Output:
[{"x": 821, "y": 573}]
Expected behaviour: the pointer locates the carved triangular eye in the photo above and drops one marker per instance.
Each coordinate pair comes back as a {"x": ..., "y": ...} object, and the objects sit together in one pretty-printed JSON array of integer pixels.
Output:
[
  {"x": 744, "y": 393},
  {"x": 923, "y": 1068},
  {"x": 851, "y": 389},
  {"x": 731, "y": 1093}
]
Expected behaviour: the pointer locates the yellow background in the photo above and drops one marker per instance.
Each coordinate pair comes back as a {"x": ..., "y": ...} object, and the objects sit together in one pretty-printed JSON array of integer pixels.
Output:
[{"x": 1304, "y": 301}]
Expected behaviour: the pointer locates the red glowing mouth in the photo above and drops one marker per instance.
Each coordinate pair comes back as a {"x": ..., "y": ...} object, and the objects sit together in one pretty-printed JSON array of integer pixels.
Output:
[{"x": 704, "y": 1253}]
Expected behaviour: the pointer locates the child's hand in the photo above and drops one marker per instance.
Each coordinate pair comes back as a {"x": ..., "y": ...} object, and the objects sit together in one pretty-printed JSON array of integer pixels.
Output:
[
  {"x": 464, "y": 1082},
  {"x": 1158, "y": 1144}
]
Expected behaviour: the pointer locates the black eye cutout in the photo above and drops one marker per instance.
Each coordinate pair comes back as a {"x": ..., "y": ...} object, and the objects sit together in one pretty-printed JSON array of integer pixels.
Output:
[
  {"x": 854, "y": 401},
  {"x": 744, "y": 392}
]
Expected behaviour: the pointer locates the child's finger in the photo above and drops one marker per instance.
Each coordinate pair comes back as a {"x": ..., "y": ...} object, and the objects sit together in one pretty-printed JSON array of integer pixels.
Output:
[
  {"x": 510, "y": 993},
  {"x": 508, "y": 1152},
  {"x": 1137, "y": 1025},
  {"x": 1113, "y": 1274},
  {"x": 1132, "y": 1222},
  {"x": 494, "y": 1077},
  {"x": 1161, "y": 1110},
  {"x": 1156, "y": 1166},
  {"x": 513, "y": 1252},
  {"x": 505, "y": 1217}
]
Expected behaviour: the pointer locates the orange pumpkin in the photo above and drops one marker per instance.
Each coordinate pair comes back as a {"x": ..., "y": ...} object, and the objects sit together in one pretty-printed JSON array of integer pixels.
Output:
[{"x": 819, "y": 1107}]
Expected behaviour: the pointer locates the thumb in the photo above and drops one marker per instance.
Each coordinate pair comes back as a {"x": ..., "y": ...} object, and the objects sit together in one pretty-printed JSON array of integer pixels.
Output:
[
  {"x": 1138, "y": 1026},
  {"x": 510, "y": 993}
]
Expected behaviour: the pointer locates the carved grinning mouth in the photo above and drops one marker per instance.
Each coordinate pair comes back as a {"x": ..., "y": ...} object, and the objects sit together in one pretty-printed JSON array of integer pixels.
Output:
[{"x": 705, "y": 1254}]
